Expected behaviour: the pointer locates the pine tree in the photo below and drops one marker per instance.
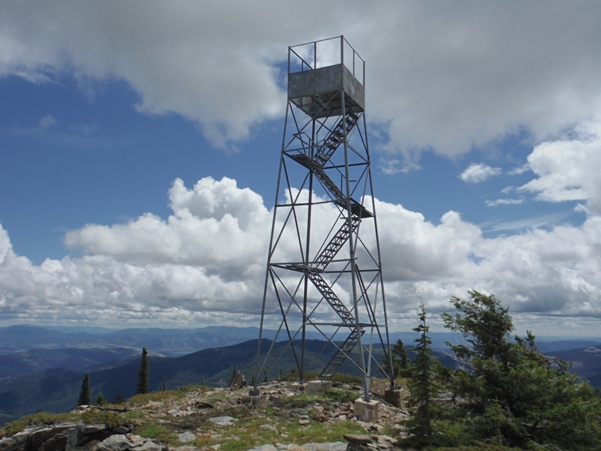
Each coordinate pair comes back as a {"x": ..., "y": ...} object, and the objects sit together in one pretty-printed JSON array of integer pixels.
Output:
[
  {"x": 423, "y": 388},
  {"x": 143, "y": 386},
  {"x": 233, "y": 373},
  {"x": 120, "y": 399},
  {"x": 400, "y": 360},
  {"x": 100, "y": 399},
  {"x": 512, "y": 394},
  {"x": 163, "y": 386},
  {"x": 84, "y": 394}
]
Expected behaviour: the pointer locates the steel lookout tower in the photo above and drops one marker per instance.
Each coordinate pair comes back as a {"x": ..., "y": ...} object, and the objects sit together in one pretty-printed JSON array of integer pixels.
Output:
[{"x": 324, "y": 271}]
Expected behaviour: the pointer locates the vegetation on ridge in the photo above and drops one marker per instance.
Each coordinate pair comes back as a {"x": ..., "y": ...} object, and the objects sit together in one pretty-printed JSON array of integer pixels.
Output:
[
  {"x": 505, "y": 392},
  {"x": 503, "y": 395}
]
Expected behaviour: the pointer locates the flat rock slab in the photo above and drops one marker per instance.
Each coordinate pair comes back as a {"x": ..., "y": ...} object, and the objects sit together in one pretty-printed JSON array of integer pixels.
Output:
[
  {"x": 117, "y": 443},
  {"x": 332, "y": 446},
  {"x": 264, "y": 448},
  {"x": 186, "y": 437},
  {"x": 359, "y": 439},
  {"x": 222, "y": 421}
]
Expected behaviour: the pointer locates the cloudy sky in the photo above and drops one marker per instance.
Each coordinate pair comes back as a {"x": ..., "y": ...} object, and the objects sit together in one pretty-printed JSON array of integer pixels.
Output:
[{"x": 139, "y": 146}]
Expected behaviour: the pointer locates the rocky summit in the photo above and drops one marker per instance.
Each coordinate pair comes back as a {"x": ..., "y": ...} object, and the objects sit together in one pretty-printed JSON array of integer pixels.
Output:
[{"x": 280, "y": 418}]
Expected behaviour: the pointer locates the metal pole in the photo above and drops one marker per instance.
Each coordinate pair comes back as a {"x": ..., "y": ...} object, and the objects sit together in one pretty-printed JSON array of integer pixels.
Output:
[{"x": 275, "y": 206}]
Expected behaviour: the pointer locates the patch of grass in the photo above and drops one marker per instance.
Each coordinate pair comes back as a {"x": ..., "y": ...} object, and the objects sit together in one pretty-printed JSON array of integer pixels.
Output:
[
  {"x": 90, "y": 416},
  {"x": 110, "y": 419},
  {"x": 341, "y": 396},
  {"x": 159, "y": 396},
  {"x": 321, "y": 432},
  {"x": 268, "y": 426},
  {"x": 190, "y": 388},
  {"x": 156, "y": 432},
  {"x": 346, "y": 379},
  {"x": 133, "y": 415},
  {"x": 302, "y": 400},
  {"x": 40, "y": 418}
]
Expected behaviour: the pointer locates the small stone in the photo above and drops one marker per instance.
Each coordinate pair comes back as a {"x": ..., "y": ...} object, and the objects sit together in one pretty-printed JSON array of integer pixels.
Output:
[
  {"x": 149, "y": 446},
  {"x": 385, "y": 438},
  {"x": 120, "y": 430},
  {"x": 222, "y": 421},
  {"x": 303, "y": 422},
  {"x": 135, "y": 439}
]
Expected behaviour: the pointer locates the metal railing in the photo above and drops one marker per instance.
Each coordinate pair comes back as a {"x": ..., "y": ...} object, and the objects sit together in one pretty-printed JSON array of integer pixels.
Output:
[{"x": 325, "y": 53}]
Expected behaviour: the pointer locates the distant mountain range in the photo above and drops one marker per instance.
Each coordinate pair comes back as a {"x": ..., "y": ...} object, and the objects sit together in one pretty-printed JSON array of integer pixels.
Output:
[
  {"x": 42, "y": 368},
  {"x": 169, "y": 342}
]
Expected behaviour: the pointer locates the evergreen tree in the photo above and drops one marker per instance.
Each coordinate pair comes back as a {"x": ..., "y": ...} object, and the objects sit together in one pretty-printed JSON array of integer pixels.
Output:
[
  {"x": 265, "y": 378},
  {"x": 233, "y": 373},
  {"x": 143, "y": 386},
  {"x": 100, "y": 399},
  {"x": 400, "y": 360},
  {"x": 511, "y": 394},
  {"x": 423, "y": 387},
  {"x": 84, "y": 394},
  {"x": 120, "y": 399},
  {"x": 163, "y": 386}
]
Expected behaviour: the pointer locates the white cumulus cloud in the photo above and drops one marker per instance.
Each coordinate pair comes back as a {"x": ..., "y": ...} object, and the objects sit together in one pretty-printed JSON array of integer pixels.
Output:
[
  {"x": 208, "y": 259},
  {"x": 479, "y": 172},
  {"x": 567, "y": 169},
  {"x": 507, "y": 201},
  {"x": 447, "y": 77}
]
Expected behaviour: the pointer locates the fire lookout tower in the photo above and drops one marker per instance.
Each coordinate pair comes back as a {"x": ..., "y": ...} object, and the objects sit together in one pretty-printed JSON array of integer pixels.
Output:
[{"x": 324, "y": 271}]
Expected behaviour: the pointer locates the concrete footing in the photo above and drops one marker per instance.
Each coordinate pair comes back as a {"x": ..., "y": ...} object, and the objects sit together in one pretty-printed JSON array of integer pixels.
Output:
[
  {"x": 296, "y": 386},
  {"x": 367, "y": 411},
  {"x": 318, "y": 387},
  {"x": 393, "y": 397}
]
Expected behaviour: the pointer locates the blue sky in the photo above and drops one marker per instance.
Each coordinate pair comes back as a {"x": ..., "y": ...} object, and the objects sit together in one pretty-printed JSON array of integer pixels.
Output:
[{"x": 138, "y": 139}]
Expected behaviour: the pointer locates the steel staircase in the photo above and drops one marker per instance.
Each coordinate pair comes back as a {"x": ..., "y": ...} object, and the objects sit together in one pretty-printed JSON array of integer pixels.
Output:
[
  {"x": 316, "y": 165},
  {"x": 326, "y": 291},
  {"x": 339, "y": 198},
  {"x": 348, "y": 320},
  {"x": 340, "y": 356},
  {"x": 336, "y": 137},
  {"x": 329, "y": 252}
]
